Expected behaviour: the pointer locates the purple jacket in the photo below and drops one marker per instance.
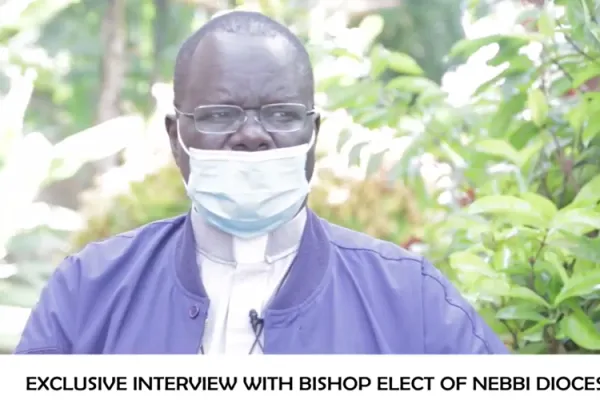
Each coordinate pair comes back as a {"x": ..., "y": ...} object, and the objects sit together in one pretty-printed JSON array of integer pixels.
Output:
[{"x": 141, "y": 293}]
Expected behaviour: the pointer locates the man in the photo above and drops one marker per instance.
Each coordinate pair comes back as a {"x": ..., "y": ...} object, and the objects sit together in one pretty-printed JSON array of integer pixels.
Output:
[{"x": 250, "y": 269}]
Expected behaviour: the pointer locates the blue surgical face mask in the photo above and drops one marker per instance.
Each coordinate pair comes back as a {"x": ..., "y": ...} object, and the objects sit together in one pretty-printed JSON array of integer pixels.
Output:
[{"x": 248, "y": 194}]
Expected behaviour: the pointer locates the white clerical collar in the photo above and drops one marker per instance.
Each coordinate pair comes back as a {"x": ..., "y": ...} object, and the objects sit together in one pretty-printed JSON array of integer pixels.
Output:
[{"x": 224, "y": 248}]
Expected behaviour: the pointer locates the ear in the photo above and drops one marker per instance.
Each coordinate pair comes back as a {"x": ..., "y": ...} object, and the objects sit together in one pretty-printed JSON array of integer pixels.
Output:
[
  {"x": 171, "y": 128},
  {"x": 180, "y": 157},
  {"x": 171, "y": 125}
]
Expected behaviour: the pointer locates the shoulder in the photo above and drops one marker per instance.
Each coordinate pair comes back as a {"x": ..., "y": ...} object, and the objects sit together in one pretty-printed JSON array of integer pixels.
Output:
[
  {"x": 96, "y": 257},
  {"x": 392, "y": 269},
  {"x": 359, "y": 247},
  {"x": 120, "y": 262},
  {"x": 418, "y": 292},
  {"x": 96, "y": 286},
  {"x": 379, "y": 259}
]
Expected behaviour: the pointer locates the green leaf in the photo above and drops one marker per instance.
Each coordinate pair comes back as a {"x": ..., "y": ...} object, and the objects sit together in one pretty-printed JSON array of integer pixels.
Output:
[
  {"x": 560, "y": 86},
  {"x": 507, "y": 52},
  {"x": 579, "y": 285},
  {"x": 452, "y": 154},
  {"x": 349, "y": 95},
  {"x": 468, "y": 262},
  {"x": 553, "y": 268},
  {"x": 508, "y": 206},
  {"x": 517, "y": 234},
  {"x": 467, "y": 47},
  {"x": 589, "y": 194},
  {"x": 576, "y": 117},
  {"x": 582, "y": 75},
  {"x": 583, "y": 266},
  {"x": 524, "y": 293},
  {"x": 374, "y": 118},
  {"x": 493, "y": 82},
  {"x": 580, "y": 328},
  {"x": 581, "y": 246},
  {"x": 517, "y": 292},
  {"x": 500, "y": 204},
  {"x": 530, "y": 150},
  {"x": 503, "y": 118},
  {"x": 576, "y": 220},
  {"x": 540, "y": 203},
  {"x": 591, "y": 130},
  {"x": 536, "y": 332},
  {"x": 534, "y": 348},
  {"x": 546, "y": 24},
  {"x": 371, "y": 26},
  {"x": 413, "y": 84},
  {"x": 520, "y": 312},
  {"x": 404, "y": 64},
  {"x": 378, "y": 62},
  {"x": 342, "y": 52},
  {"x": 487, "y": 239},
  {"x": 500, "y": 148},
  {"x": 538, "y": 106}
]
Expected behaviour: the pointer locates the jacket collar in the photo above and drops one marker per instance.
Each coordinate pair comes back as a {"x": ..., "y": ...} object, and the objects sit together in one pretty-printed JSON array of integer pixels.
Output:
[{"x": 305, "y": 275}]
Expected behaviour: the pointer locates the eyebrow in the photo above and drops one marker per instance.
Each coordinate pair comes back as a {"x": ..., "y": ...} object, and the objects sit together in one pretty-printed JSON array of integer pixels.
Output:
[
  {"x": 268, "y": 95},
  {"x": 220, "y": 95},
  {"x": 280, "y": 97},
  {"x": 279, "y": 94}
]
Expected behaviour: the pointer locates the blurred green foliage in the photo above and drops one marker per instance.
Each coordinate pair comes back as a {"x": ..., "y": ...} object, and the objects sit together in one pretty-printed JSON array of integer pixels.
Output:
[
  {"x": 500, "y": 191},
  {"x": 160, "y": 195}
]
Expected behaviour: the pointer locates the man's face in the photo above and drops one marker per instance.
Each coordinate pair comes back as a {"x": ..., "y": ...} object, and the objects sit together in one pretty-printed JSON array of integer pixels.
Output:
[{"x": 249, "y": 72}]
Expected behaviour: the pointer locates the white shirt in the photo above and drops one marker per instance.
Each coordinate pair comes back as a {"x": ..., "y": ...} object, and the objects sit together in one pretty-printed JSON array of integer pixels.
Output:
[{"x": 241, "y": 275}]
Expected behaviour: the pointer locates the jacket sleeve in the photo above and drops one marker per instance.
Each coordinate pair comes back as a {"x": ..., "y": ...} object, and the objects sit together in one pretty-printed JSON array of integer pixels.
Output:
[
  {"x": 51, "y": 324},
  {"x": 452, "y": 326}
]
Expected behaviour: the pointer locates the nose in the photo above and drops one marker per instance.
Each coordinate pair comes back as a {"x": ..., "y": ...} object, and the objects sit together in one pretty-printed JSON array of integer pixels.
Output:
[{"x": 251, "y": 137}]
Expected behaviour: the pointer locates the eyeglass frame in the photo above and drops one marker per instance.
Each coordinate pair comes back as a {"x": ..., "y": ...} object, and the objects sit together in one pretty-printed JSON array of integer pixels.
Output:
[{"x": 256, "y": 118}]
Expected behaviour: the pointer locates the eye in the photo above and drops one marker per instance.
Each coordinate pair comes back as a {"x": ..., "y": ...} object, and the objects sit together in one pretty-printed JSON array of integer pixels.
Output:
[
  {"x": 216, "y": 115},
  {"x": 282, "y": 115}
]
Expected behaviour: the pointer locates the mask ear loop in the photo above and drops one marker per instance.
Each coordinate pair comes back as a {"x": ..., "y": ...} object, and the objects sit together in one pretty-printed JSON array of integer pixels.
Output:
[
  {"x": 313, "y": 140},
  {"x": 180, "y": 140}
]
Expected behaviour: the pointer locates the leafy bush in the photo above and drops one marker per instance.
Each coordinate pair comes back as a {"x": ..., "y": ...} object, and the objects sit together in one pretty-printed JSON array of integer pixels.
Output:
[
  {"x": 516, "y": 227},
  {"x": 160, "y": 195},
  {"x": 34, "y": 235},
  {"x": 513, "y": 216},
  {"x": 374, "y": 206}
]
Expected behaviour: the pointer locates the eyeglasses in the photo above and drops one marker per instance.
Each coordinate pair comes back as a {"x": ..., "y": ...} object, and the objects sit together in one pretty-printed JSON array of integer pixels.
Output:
[{"x": 227, "y": 119}]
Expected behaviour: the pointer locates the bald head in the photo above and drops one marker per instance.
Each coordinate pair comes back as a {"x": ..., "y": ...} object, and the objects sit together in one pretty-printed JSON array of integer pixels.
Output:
[{"x": 247, "y": 24}]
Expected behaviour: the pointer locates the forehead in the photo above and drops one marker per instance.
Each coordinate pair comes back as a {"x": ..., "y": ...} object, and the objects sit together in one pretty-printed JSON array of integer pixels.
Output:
[{"x": 247, "y": 71}]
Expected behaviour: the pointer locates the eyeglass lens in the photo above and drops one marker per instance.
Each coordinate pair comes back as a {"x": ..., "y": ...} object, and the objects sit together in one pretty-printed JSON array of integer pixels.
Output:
[{"x": 222, "y": 119}]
